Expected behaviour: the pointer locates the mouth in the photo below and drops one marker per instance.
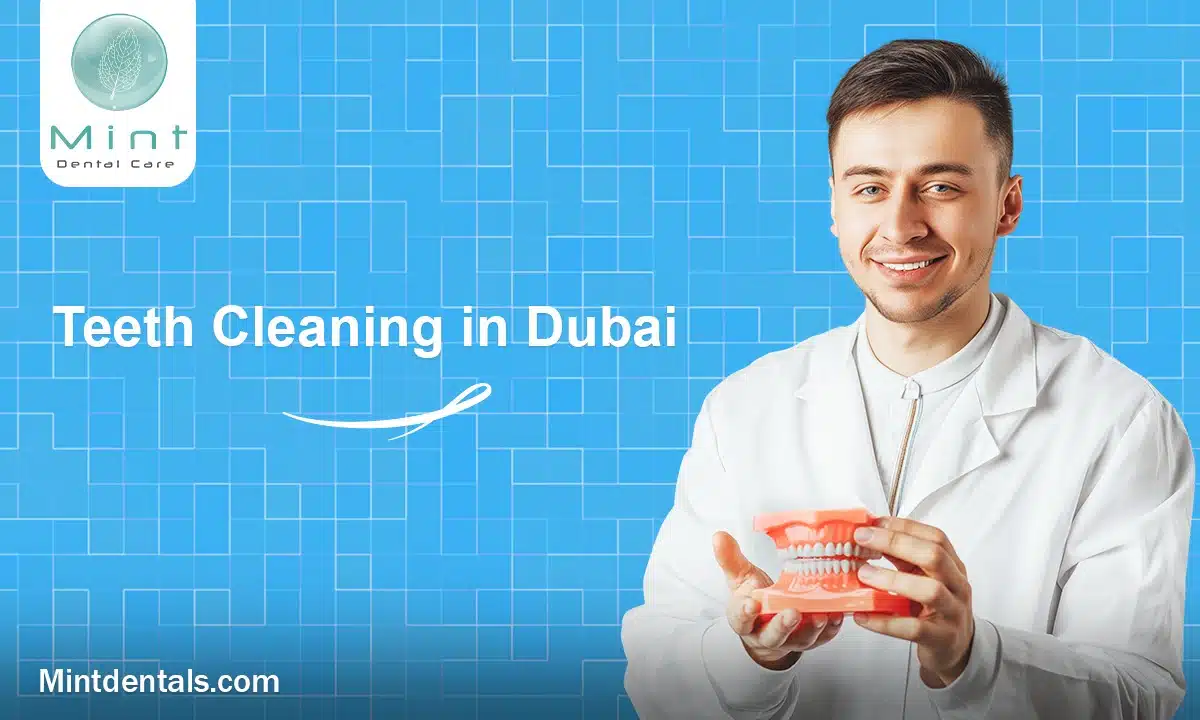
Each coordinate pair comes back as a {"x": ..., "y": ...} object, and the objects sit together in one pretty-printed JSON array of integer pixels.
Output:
[{"x": 910, "y": 270}]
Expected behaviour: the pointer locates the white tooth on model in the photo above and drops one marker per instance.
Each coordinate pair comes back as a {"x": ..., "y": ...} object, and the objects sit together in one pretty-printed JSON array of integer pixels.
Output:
[
  {"x": 845, "y": 566},
  {"x": 819, "y": 549}
]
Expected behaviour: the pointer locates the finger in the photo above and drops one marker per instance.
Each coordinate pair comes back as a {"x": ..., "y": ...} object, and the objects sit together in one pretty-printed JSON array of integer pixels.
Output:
[
  {"x": 781, "y": 627},
  {"x": 925, "y": 532},
  {"x": 743, "y": 614},
  {"x": 928, "y": 591},
  {"x": 927, "y": 556},
  {"x": 828, "y": 633},
  {"x": 897, "y": 626},
  {"x": 814, "y": 630},
  {"x": 903, "y": 565},
  {"x": 733, "y": 563}
]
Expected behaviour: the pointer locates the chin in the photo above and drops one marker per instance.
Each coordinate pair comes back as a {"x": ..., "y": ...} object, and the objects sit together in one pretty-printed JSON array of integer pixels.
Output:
[{"x": 909, "y": 307}]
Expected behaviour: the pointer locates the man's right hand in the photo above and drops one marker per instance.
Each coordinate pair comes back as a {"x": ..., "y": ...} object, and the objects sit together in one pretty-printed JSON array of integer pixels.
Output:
[{"x": 775, "y": 644}]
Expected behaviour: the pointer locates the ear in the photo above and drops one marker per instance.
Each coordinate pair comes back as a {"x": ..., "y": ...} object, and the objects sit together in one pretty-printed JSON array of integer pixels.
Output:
[
  {"x": 832, "y": 209},
  {"x": 1011, "y": 205}
]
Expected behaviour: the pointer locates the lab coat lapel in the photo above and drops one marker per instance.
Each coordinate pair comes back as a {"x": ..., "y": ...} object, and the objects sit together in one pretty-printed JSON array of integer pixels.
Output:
[
  {"x": 962, "y": 443},
  {"x": 980, "y": 421},
  {"x": 837, "y": 437}
]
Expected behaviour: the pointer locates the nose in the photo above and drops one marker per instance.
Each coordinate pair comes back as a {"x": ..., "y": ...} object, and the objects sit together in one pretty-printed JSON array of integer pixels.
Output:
[{"x": 904, "y": 220}]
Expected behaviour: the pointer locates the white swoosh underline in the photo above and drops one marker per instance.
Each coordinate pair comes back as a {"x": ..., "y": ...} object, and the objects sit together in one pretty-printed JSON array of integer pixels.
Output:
[{"x": 468, "y": 398}]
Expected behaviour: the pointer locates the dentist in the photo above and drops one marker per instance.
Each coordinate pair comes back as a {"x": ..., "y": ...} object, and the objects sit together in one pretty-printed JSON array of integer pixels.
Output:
[{"x": 1036, "y": 493}]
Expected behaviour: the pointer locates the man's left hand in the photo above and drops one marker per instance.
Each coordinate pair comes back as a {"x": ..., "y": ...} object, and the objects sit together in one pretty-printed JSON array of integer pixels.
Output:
[{"x": 930, "y": 573}]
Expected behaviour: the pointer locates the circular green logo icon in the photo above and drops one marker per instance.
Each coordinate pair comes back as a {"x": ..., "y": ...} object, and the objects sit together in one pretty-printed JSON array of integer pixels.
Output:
[{"x": 119, "y": 62}]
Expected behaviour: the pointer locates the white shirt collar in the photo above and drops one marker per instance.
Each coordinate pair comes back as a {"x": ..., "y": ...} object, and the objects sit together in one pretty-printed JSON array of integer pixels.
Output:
[{"x": 947, "y": 373}]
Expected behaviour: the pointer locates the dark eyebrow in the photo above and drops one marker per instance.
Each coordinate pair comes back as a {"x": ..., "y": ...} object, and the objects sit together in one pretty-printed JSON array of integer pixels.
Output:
[{"x": 938, "y": 168}]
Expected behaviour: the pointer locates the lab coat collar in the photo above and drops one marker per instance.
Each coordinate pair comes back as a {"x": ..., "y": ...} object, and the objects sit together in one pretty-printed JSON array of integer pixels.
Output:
[
  {"x": 970, "y": 436},
  {"x": 1007, "y": 380}
]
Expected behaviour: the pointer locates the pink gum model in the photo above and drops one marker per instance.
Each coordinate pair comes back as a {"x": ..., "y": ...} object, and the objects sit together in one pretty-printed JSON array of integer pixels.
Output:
[{"x": 821, "y": 561}]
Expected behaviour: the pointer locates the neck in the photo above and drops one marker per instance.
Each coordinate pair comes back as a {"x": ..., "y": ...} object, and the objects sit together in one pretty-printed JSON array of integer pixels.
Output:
[{"x": 909, "y": 348}]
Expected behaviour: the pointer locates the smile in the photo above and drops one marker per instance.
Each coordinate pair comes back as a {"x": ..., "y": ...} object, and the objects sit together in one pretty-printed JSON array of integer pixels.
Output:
[
  {"x": 909, "y": 271},
  {"x": 909, "y": 266}
]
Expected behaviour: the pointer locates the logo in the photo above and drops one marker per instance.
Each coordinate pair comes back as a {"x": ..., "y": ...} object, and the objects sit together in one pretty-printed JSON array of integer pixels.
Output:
[
  {"x": 119, "y": 62},
  {"x": 118, "y": 92}
]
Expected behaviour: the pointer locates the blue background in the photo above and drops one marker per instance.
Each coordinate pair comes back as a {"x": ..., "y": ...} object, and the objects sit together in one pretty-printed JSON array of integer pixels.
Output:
[{"x": 157, "y": 509}]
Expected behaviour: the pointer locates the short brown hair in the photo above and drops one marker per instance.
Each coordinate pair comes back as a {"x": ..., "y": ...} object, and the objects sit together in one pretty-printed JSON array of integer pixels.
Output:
[{"x": 904, "y": 71}]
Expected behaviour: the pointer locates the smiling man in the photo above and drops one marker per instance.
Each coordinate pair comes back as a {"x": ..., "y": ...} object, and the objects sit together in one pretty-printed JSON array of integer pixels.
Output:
[{"x": 1034, "y": 495}]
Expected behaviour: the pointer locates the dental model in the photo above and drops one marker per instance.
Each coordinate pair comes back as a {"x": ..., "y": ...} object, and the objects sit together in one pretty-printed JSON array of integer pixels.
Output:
[{"x": 820, "y": 565}]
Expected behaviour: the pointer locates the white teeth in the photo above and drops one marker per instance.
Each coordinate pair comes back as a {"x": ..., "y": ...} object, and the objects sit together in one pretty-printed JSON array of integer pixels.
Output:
[
  {"x": 818, "y": 551},
  {"x": 822, "y": 567},
  {"x": 907, "y": 266}
]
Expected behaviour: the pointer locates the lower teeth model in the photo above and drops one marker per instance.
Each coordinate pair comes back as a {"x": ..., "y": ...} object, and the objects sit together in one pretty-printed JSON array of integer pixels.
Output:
[{"x": 820, "y": 565}]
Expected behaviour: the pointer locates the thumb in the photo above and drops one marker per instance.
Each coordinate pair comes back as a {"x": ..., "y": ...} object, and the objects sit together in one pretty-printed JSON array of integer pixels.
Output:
[{"x": 729, "y": 556}]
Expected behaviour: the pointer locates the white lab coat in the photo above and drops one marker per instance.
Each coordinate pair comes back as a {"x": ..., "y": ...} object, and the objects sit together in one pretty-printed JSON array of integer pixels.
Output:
[{"x": 1063, "y": 480}]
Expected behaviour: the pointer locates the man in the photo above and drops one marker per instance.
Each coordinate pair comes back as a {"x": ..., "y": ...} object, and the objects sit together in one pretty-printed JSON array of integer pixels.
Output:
[{"x": 1035, "y": 494}]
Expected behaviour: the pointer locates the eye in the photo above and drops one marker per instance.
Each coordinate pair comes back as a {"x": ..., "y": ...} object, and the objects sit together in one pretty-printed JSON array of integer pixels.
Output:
[
  {"x": 864, "y": 191},
  {"x": 948, "y": 188}
]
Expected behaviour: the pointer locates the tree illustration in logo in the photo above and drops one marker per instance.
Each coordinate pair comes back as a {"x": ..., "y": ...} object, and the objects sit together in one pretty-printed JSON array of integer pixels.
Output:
[{"x": 119, "y": 62}]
